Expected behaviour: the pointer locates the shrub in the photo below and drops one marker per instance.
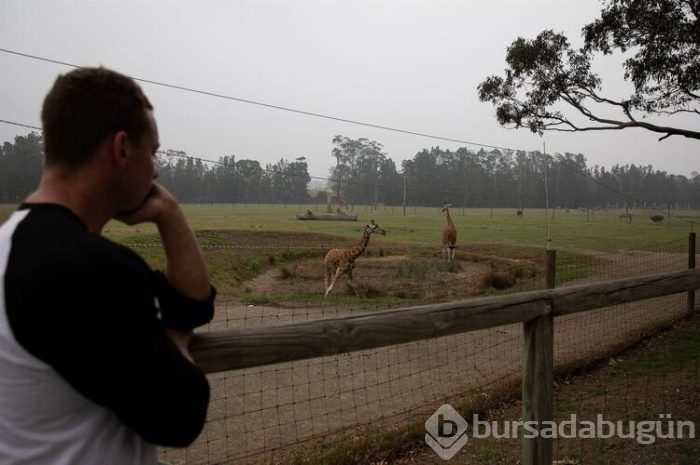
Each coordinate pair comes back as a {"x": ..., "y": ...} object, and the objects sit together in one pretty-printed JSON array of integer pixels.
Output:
[
  {"x": 363, "y": 290},
  {"x": 286, "y": 273},
  {"x": 498, "y": 280}
]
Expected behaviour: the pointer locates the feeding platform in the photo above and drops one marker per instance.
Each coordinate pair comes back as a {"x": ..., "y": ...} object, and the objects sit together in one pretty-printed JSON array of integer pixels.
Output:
[{"x": 340, "y": 215}]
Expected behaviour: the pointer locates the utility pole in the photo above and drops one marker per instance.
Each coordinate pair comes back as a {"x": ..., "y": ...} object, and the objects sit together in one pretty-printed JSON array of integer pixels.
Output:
[
  {"x": 376, "y": 180},
  {"x": 337, "y": 173},
  {"x": 464, "y": 193},
  {"x": 546, "y": 195},
  {"x": 404, "y": 193}
]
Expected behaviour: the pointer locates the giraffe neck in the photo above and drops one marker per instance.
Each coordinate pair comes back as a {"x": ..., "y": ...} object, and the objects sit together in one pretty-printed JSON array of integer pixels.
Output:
[
  {"x": 449, "y": 220},
  {"x": 357, "y": 249}
]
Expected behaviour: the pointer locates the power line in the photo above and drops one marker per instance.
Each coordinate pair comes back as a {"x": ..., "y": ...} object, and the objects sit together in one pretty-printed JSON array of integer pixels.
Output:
[
  {"x": 268, "y": 105},
  {"x": 20, "y": 125}
]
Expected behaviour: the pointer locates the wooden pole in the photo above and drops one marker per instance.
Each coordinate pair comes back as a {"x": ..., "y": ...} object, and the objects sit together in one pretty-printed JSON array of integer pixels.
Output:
[
  {"x": 538, "y": 377},
  {"x": 691, "y": 265},
  {"x": 404, "y": 194}
]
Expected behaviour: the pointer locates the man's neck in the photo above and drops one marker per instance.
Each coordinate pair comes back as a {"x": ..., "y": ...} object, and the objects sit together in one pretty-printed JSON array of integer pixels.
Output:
[{"x": 79, "y": 191}]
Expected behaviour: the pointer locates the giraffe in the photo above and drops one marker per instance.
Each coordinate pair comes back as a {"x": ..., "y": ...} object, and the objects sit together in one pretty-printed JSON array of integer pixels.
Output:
[
  {"x": 449, "y": 235},
  {"x": 342, "y": 260}
]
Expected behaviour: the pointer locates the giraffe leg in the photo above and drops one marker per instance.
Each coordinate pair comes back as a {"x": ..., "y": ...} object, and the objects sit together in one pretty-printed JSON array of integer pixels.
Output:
[
  {"x": 328, "y": 280},
  {"x": 337, "y": 275},
  {"x": 352, "y": 282},
  {"x": 326, "y": 277}
]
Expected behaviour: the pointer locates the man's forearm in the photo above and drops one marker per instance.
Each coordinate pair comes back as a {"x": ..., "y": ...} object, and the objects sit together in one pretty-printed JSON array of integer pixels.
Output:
[{"x": 185, "y": 267}]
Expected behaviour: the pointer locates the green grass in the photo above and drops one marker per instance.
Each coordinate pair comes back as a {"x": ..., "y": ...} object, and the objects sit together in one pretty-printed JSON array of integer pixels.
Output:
[
  {"x": 672, "y": 354},
  {"x": 357, "y": 303},
  {"x": 498, "y": 233},
  {"x": 602, "y": 231}
]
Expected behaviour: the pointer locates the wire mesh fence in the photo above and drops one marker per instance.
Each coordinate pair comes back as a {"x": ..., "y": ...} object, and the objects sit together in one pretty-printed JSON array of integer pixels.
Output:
[
  {"x": 282, "y": 412},
  {"x": 646, "y": 400},
  {"x": 585, "y": 336}
]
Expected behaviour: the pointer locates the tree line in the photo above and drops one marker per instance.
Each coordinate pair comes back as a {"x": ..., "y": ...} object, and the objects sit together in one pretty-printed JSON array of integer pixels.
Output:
[
  {"x": 364, "y": 174},
  {"x": 501, "y": 178}
]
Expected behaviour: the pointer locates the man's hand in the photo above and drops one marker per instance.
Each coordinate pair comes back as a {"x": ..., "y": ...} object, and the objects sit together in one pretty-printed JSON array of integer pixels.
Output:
[{"x": 159, "y": 202}]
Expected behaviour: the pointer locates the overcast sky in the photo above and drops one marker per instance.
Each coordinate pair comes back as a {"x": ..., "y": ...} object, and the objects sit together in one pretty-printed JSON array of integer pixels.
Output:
[{"x": 408, "y": 64}]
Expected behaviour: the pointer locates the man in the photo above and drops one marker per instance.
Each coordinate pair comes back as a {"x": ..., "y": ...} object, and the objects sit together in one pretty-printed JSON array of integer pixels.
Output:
[{"x": 94, "y": 366}]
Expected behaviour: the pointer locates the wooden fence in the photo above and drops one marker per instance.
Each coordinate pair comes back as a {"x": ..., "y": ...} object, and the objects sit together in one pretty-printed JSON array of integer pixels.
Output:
[{"x": 242, "y": 348}]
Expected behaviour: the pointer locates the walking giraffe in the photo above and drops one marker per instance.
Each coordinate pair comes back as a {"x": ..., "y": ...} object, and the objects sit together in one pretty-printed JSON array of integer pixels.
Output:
[
  {"x": 449, "y": 235},
  {"x": 342, "y": 260}
]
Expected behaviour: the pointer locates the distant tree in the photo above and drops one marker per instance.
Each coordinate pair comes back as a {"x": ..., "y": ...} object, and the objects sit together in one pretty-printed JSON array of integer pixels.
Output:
[
  {"x": 424, "y": 179},
  {"x": 288, "y": 181},
  {"x": 248, "y": 180},
  {"x": 663, "y": 37},
  {"x": 20, "y": 166},
  {"x": 390, "y": 183},
  {"x": 571, "y": 184},
  {"x": 298, "y": 177},
  {"x": 358, "y": 169}
]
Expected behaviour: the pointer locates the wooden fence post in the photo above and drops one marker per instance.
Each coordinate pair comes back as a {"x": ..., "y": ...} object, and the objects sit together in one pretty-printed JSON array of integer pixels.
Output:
[
  {"x": 538, "y": 378},
  {"x": 691, "y": 265}
]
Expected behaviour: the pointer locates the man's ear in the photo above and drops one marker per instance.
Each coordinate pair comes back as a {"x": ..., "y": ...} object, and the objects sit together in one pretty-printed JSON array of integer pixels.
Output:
[{"x": 120, "y": 147}]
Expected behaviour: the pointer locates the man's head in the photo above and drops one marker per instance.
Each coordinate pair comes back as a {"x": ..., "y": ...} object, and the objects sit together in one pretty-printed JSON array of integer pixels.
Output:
[{"x": 85, "y": 107}]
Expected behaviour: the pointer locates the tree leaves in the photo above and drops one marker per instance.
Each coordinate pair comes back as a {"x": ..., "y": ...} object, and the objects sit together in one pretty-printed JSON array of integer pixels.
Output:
[{"x": 546, "y": 72}]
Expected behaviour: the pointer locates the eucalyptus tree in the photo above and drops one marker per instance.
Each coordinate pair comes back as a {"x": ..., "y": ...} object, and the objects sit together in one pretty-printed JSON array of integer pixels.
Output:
[
  {"x": 357, "y": 171},
  {"x": 550, "y": 86},
  {"x": 248, "y": 180}
]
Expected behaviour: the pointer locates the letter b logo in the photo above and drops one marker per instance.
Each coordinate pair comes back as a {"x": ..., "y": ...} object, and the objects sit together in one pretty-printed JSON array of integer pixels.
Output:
[
  {"x": 441, "y": 427},
  {"x": 446, "y": 432}
]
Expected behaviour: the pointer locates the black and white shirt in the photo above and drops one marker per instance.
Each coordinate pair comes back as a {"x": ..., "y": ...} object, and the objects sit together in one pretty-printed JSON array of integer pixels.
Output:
[{"x": 88, "y": 374}]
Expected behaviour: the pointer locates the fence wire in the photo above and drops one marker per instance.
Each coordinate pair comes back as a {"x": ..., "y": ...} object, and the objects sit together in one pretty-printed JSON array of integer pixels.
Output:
[{"x": 285, "y": 412}]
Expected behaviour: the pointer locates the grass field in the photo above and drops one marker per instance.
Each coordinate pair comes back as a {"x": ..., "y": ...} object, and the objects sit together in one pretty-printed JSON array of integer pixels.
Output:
[
  {"x": 598, "y": 230},
  {"x": 266, "y": 235}
]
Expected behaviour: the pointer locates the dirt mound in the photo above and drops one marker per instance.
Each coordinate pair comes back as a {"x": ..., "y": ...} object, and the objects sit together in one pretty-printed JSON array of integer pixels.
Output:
[{"x": 394, "y": 276}]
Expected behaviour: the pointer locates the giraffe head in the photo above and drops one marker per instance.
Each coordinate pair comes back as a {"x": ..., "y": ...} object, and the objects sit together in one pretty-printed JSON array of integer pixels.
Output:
[
  {"x": 445, "y": 207},
  {"x": 373, "y": 227}
]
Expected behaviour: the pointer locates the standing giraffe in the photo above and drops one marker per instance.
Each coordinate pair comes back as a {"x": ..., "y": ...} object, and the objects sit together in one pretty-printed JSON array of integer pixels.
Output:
[
  {"x": 449, "y": 235},
  {"x": 342, "y": 260}
]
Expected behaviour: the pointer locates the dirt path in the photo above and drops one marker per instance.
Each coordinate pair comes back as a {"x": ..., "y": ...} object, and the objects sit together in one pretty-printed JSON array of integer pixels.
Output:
[
  {"x": 659, "y": 377},
  {"x": 257, "y": 412}
]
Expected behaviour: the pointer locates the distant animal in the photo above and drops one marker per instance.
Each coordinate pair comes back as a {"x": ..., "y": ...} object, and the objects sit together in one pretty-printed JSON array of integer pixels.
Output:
[
  {"x": 342, "y": 260},
  {"x": 519, "y": 212},
  {"x": 626, "y": 217},
  {"x": 449, "y": 235},
  {"x": 656, "y": 218},
  {"x": 341, "y": 202}
]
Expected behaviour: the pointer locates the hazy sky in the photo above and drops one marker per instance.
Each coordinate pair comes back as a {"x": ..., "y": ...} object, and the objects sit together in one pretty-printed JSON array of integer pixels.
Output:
[{"x": 413, "y": 65}]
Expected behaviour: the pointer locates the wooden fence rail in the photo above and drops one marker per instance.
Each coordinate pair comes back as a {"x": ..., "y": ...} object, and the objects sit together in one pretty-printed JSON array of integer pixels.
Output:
[{"x": 248, "y": 347}]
